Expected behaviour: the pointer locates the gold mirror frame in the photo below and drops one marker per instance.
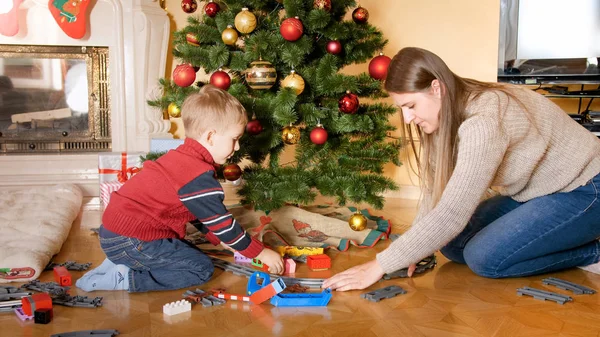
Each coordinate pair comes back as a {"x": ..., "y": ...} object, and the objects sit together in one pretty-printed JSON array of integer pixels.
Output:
[{"x": 97, "y": 138}]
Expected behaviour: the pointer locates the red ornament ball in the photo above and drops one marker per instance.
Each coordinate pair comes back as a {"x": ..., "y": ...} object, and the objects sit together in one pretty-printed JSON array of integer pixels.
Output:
[
  {"x": 318, "y": 135},
  {"x": 378, "y": 67},
  {"x": 232, "y": 172},
  {"x": 254, "y": 127},
  {"x": 334, "y": 47},
  {"x": 360, "y": 15},
  {"x": 189, "y": 6},
  {"x": 192, "y": 39},
  {"x": 348, "y": 104},
  {"x": 184, "y": 75},
  {"x": 220, "y": 79},
  {"x": 291, "y": 29},
  {"x": 322, "y": 4},
  {"x": 211, "y": 9}
]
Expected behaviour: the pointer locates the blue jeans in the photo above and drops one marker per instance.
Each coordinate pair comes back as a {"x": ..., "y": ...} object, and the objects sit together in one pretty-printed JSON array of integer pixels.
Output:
[
  {"x": 506, "y": 238},
  {"x": 164, "y": 264}
]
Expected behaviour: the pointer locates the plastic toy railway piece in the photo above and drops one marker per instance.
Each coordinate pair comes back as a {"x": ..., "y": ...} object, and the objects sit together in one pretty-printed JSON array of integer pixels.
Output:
[
  {"x": 253, "y": 284},
  {"x": 77, "y": 301},
  {"x": 423, "y": 265},
  {"x": 51, "y": 288},
  {"x": 543, "y": 295},
  {"x": 314, "y": 283},
  {"x": 177, "y": 307},
  {"x": 232, "y": 297},
  {"x": 13, "y": 296},
  {"x": 9, "y": 290},
  {"x": 267, "y": 292},
  {"x": 302, "y": 299},
  {"x": 8, "y": 306},
  {"x": 577, "y": 289},
  {"x": 85, "y": 333},
  {"x": 70, "y": 265},
  {"x": 379, "y": 294},
  {"x": 62, "y": 276},
  {"x": 200, "y": 296},
  {"x": 22, "y": 316}
]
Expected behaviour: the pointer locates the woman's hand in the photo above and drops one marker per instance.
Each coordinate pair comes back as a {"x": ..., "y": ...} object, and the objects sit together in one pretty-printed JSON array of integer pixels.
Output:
[{"x": 357, "y": 277}]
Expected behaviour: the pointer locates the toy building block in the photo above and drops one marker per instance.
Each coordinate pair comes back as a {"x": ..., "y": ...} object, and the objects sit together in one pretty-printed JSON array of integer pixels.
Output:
[
  {"x": 290, "y": 266},
  {"x": 239, "y": 258},
  {"x": 43, "y": 316},
  {"x": 86, "y": 333},
  {"x": 318, "y": 262},
  {"x": 256, "y": 263},
  {"x": 177, "y": 307},
  {"x": 19, "y": 312},
  {"x": 298, "y": 251},
  {"x": 577, "y": 289},
  {"x": 379, "y": 294},
  {"x": 62, "y": 276},
  {"x": 36, "y": 302},
  {"x": 302, "y": 300},
  {"x": 423, "y": 265},
  {"x": 267, "y": 292},
  {"x": 544, "y": 295}
]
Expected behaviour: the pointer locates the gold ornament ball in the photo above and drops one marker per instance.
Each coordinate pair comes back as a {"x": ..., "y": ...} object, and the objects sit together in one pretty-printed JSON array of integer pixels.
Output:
[
  {"x": 261, "y": 75},
  {"x": 293, "y": 81},
  {"x": 290, "y": 135},
  {"x": 245, "y": 21},
  {"x": 174, "y": 110},
  {"x": 229, "y": 36},
  {"x": 357, "y": 222}
]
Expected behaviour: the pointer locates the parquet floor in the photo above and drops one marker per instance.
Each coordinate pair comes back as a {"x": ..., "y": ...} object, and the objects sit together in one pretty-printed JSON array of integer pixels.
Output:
[{"x": 447, "y": 301}]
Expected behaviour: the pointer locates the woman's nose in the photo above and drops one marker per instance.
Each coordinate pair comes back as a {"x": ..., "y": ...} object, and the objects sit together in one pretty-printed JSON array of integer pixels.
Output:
[{"x": 408, "y": 116}]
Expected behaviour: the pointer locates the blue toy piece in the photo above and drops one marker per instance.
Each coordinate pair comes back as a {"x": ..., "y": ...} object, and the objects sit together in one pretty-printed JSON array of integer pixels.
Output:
[
  {"x": 253, "y": 285},
  {"x": 302, "y": 300}
]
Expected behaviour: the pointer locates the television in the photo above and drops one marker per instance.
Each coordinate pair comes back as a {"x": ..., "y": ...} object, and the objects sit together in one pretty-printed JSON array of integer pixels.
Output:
[{"x": 549, "y": 41}]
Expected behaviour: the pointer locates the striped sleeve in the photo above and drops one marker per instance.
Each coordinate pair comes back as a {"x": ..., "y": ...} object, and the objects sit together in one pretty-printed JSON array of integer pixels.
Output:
[{"x": 204, "y": 197}]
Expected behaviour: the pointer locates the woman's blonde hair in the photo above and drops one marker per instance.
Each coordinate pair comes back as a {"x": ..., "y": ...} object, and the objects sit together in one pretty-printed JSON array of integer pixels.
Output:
[
  {"x": 210, "y": 108},
  {"x": 413, "y": 70}
]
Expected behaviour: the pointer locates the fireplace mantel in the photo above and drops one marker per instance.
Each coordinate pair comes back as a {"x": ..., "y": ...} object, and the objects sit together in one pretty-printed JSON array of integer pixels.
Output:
[{"x": 137, "y": 34}]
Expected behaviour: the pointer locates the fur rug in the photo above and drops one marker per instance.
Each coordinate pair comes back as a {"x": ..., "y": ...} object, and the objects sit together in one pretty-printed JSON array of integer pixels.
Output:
[{"x": 34, "y": 223}]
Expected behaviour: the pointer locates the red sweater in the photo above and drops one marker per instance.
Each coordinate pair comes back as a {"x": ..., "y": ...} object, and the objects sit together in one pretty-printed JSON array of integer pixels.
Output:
[{"x": 178, "y": 188}]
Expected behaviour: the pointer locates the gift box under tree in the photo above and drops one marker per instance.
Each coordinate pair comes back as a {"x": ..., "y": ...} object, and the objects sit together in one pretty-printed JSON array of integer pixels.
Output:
[{"x": 114, "y": 169}]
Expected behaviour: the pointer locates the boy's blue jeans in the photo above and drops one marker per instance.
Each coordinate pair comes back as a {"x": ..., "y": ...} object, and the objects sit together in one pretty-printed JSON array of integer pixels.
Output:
[
  {"x": 506, "y": 238},
  {"x": 163, "y": 264}
]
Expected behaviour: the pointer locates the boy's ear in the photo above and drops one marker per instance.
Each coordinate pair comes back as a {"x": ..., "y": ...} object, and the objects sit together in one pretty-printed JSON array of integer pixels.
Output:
[{"x": 210, "y": 137}]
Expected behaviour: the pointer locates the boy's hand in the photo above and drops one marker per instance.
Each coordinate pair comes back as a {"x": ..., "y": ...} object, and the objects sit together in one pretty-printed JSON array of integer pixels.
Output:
[
  {"x": 228, "y": 248},
  {"x": 272, "y": 259}
]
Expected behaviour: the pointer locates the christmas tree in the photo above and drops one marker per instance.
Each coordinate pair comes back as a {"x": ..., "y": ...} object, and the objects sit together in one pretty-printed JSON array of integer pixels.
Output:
[{"x": 282, "y": 61}]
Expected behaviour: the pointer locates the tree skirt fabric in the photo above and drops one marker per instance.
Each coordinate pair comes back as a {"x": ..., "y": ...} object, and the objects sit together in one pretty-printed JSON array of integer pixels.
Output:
[
  {"x": 34, "y": 223},
  {"x": 314, "y": 226}
]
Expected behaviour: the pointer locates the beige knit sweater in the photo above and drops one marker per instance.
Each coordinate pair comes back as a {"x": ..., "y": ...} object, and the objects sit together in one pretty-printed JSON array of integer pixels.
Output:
[{"x": 520, "y": 153}]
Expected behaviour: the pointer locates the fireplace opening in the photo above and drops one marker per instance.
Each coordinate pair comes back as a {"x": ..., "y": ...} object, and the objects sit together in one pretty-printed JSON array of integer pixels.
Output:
[{"x": 54, "y": 99}]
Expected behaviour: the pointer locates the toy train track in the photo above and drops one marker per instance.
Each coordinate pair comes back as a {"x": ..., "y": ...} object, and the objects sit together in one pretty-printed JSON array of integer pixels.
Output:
[{"x": 313, "y": 283}]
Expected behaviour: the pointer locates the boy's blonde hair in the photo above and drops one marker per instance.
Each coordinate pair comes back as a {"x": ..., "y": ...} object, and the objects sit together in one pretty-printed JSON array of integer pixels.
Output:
[{"x": 211, "y": 108}]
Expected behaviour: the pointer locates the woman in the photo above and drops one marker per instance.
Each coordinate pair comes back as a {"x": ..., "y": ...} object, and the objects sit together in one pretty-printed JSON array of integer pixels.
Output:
[{"x": 473, "y": 135}]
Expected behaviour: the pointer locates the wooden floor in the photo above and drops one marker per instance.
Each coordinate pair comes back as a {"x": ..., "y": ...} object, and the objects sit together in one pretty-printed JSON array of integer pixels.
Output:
[{"x": 447, "y": 301}]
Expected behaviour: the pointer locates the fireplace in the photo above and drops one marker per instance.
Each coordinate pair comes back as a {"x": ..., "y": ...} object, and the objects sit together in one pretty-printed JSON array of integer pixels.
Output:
[
  {"x": 54, "y": 99},
  {"x": 134, "y": 34}
]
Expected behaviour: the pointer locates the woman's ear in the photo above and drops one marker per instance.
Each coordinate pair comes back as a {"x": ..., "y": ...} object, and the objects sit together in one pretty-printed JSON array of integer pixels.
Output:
[{"x": 436, "y": 88}]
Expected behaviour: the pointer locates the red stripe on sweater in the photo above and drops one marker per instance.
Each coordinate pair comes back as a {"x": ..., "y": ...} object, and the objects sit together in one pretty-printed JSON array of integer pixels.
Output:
[{"x": 220, "y": 225}]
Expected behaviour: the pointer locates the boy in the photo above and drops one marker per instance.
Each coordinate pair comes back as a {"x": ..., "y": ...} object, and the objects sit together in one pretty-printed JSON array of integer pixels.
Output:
[{"x": 144, "y": 223}]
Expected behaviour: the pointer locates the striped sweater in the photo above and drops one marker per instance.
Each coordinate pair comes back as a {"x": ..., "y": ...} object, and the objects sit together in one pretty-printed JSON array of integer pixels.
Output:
[
  {"x": 520, "y": 153},
  {"x": 179, "y": 187}
]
